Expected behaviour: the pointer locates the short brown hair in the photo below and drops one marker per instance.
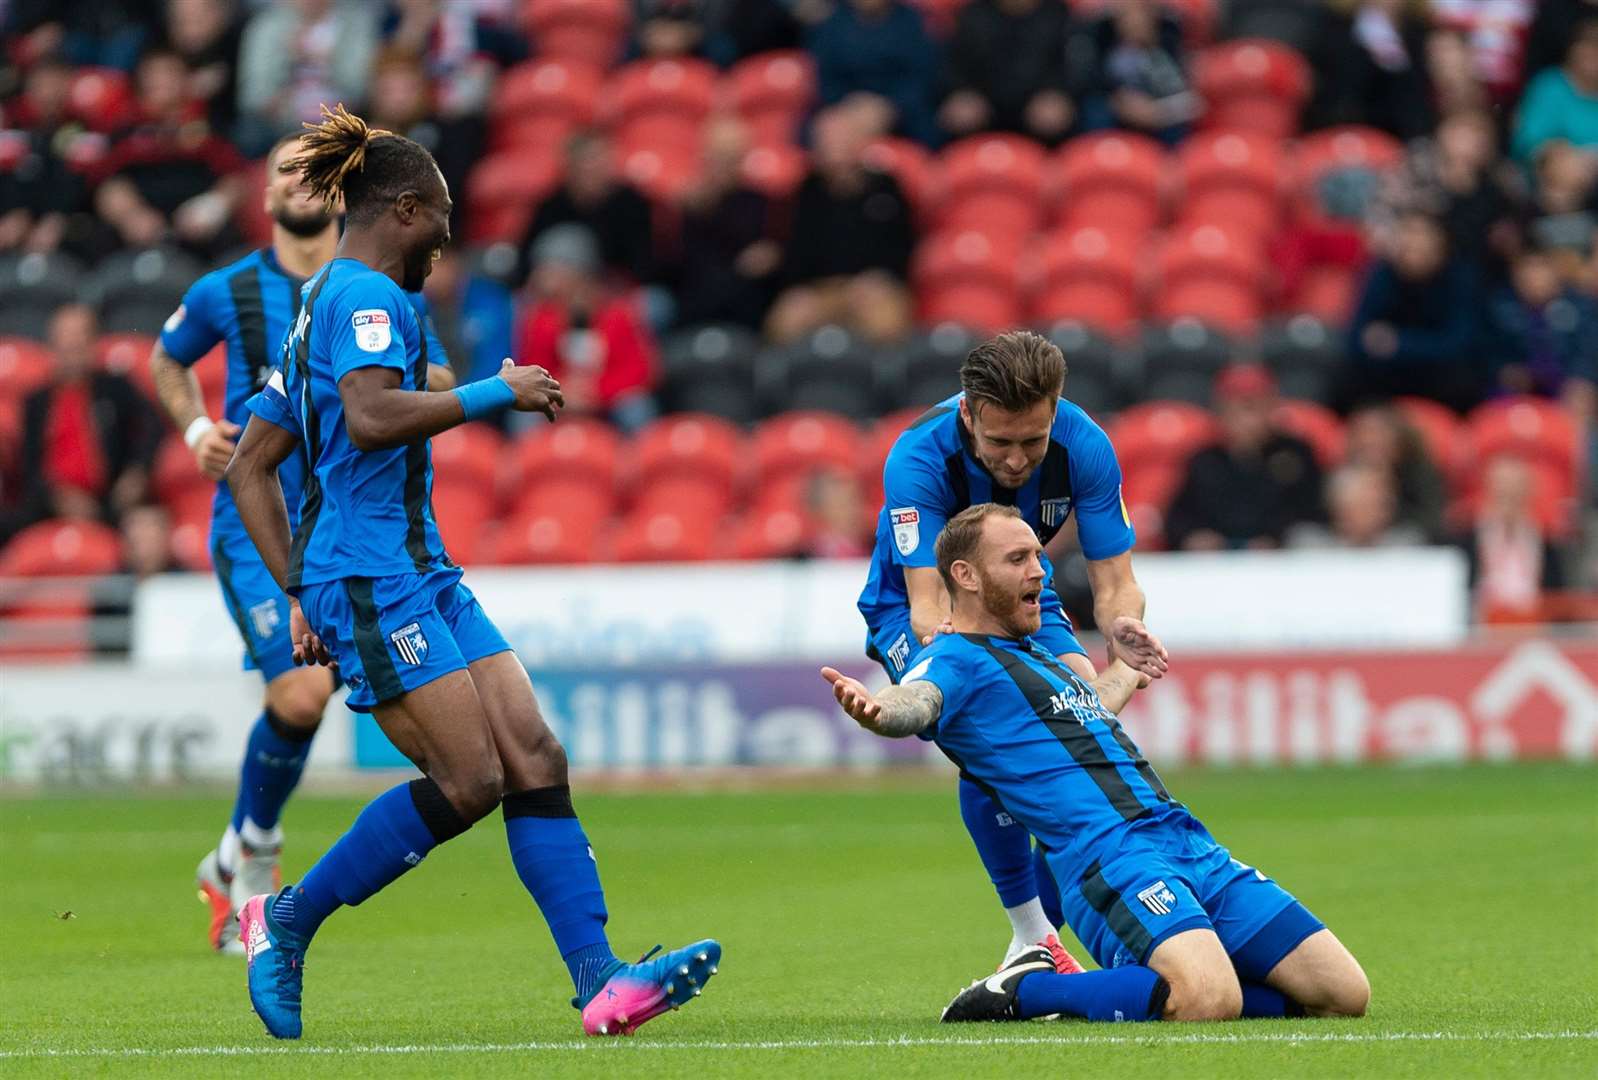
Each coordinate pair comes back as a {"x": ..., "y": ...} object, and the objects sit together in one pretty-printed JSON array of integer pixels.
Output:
[
  {"x": 962, "y": 536},
  {"x": 1014, "y": 371}
]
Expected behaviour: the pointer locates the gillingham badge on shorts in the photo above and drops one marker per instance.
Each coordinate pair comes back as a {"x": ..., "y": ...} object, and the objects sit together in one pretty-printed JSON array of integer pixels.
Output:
[{"x": 410, "y": 643}]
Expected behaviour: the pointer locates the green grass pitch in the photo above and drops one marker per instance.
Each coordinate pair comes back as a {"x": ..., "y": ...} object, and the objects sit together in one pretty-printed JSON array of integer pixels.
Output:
[{"x": 850, "y": 912}]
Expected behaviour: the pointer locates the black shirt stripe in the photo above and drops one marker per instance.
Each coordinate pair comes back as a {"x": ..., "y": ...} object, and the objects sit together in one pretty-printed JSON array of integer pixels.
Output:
[
  {"x": 1054, "y": 482},
  {"x": 416, "y": 468},
  {"x": 249, "y": 310},
  {"x": 1078, "y": 741},
  {"x": 1144, "y": 769},
  {"x": 311, "y": 494}
]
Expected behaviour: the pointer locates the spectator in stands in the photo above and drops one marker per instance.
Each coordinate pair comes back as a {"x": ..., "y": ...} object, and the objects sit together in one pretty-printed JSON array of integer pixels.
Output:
[
  {"x": 1362, "y": 510},
  {"x": 839, "y": 527},
  {"x": 589, "y": 338},
  {"x": 1452, "y": 67},
  {"x": 1006, "y": 69},
  {"x": 474, "y": 309},
  {"x": 1370, "y": 67},
  {"x": 669, "y": 29},
  {"x": 1512, "y": 561},
  {"x": 1140, "y": 79},
  {"x": 880, "y": 48},
  {"x": 1544, "y": 331},
  {"x": 848, "y": 257},
  {"x": 1417, "y": 321},
  {"x": 725, "y": 255},
  {"x": 1495, "y": 32},
  {"x": 40, "y": 194},
  {"x": 297, "y": 55},
  {"x": 1562, "y": 217},
  {"x": 593, "y": 196},
  {"x": 1552, "y": 31},
  {"x": 168, "y": 177},
  {"x": 88, "y": 438},
  {"x": 206, "y": 34},
  {"x": 747, "y": 27},
  {"x": 1562, "y": 103},
  {"x": 1458, "y": 176},
  {"x": 1254, "y": 485},
  {"x": 92, "y": 32},
  {"x": 147, "y": 542},
  {"x": 1378, "y": 437}
]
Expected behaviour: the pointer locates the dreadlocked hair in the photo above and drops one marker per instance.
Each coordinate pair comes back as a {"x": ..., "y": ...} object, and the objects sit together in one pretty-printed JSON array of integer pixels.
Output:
[{"x": 368, "y": 166}]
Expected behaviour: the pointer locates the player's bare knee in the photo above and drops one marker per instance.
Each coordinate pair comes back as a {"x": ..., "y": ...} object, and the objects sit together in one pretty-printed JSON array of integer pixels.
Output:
[
  {"x": 474, "y": 793},
  {"x": 1346, "y": 994},
  {"x": 1203, "y": 996},
  {"x": 299, "y": 700}
]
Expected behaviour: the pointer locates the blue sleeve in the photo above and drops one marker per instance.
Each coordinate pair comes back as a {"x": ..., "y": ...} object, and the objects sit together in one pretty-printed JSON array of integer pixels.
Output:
[
  {"x": 271, "y": 404},
  {"x": 1103, "y": 526},
  {"x": 424, "y": 320},
  {"x": 196, "y": 326},
  {"x": 946, "y": 669},
  {"x": 916, "y": 496},
  {"x": 367, "y": 328}
]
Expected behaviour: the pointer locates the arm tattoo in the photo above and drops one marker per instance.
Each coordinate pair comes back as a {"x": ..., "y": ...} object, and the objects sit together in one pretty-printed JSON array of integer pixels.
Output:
[{"x": 908, "y": 709}]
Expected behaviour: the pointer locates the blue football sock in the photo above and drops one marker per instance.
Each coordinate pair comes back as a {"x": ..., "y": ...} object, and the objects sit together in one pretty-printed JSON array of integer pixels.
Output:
[
  {"x": 273, "y": 761},
  {"x": 1260, "y": 1002},
  {"x": 554, "y": 861},
  {"x": 1124, "y": 993},
  {"x": 1048, "y": 891},
  {"x": 1002, "y": 842},
  {"x": 393, "y": 833}
]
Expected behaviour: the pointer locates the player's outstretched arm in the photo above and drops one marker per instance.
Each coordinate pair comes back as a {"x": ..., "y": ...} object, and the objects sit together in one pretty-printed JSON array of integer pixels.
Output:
[
  {"x": 252, "y": 478},
  {"x": 1118, "y": 609},
  {"x": 179, "y": 392},
  {"x": 1116, "y": 684},
  {"x": 896, "y": 712},
  {"x": 379, "y": 414}
]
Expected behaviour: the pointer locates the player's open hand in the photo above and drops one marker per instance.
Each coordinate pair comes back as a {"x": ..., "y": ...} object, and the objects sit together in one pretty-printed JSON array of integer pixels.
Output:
[
  {"x": 308, "y": 648},
  {"x": 854, "y": 697},
  {"x": 536, "y": 390},
  {"x": 1132, "y": 642},
  {"x": 214, "y": 449}
]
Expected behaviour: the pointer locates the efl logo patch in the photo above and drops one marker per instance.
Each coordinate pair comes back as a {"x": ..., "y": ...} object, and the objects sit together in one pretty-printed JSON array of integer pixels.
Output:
[
  {"x": 906, "y": 528},
  {"x": 175, "y": 320},
  {"x": 1158, "y": 898},
  {"x": 410, "y": 643},
  {"x": 371, "y": 329},
  {"x": 1055, "y": 511},
  {"x": 264, "y": 618}
]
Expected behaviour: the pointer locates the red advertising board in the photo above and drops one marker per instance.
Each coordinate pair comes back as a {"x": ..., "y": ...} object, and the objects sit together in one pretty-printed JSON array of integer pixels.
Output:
[{"x": 1521, "y": 698}]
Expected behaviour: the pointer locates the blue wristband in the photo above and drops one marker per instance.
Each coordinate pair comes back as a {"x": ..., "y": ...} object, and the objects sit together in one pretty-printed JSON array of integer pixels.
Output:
[{"x": 485, "y": 397}]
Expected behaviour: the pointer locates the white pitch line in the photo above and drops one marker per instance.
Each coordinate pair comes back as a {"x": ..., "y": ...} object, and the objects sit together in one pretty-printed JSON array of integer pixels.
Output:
[{"x": 640, "y": 1046}]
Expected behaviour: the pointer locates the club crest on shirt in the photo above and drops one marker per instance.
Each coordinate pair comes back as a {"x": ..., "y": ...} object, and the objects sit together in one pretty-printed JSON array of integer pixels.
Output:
[
  {"x": 371, "y": 329},
  {"x": 265, "y": 619},
  {"x": 410, "y": 643},
  {"x": 906, "y": 528},
  {"x": 1158, "y": 898},
  {"x": 1055, "y": 511}
]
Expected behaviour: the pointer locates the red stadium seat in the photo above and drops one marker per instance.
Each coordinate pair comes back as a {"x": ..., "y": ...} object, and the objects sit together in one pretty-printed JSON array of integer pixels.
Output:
[
  {"x": 468, "y": 457},
  {"x": 1090, "y": 276},
  {"x": 1232, "y": 177},
  {"x": 502, "y": 191},
  {"x": 688, "y": 444},
  {"x": 777, "y": 532},
  {"x": 1530, "y": 427},
  {"x": 1336, "y": 149},
  {"x": 63, "y": 549},
  {"x": 705, "y": 495},
  {"x": 965, "y": 278},
  {"x": 539, "y": 103},
  {"x": 1441, "y": 430},
  {"x": 994, "y": 184},
  {"x": 570, "y": 498},
  {"x": 1316, "y": 425},
  {"x": 583, "y": 451},
  {"x": 663, "y": 536},
  {"x": 545, "y": 537},
  {"x": 1210, "y": 275},
  {"x": 462, "y": 513},
  {"x": 796, "y": 443},
  {"x": 684, "y": 90},
  {"x": 25, "y": 365},
  {"x": 191, "y": 543},
  {"x": 1158, "y": 433},
  {"x": 128, "y": 355},
  {"x": 1147, "y": 491},
  {"x": 176, "y": 475},
  {"x": 664, "y": 164},
  {"x": 771, "y": 92},
  {"x": 585, "y": 31},
  {"x": 917, "y": 172},
  {"x": 1253, "y": 84},
  {"x": 1113, "y": 180},
  {"x": 101, "y": 97},
  {"x": 1327, "y": 292},
  {"x": 776, "y": 171}
]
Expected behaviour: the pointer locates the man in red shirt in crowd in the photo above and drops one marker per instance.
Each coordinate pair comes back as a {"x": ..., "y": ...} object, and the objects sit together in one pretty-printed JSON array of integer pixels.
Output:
[{"x": 593, "y": 341}]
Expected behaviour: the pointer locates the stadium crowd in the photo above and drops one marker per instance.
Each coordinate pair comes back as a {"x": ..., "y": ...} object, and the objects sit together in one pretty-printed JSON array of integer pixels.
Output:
[{"x": 1325, "y": 271}]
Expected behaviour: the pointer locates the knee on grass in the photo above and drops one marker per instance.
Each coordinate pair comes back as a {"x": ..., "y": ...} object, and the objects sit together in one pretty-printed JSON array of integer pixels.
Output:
[
  {"x": 1344, "y": 993},
  {"x": 1204, "y": 996}
]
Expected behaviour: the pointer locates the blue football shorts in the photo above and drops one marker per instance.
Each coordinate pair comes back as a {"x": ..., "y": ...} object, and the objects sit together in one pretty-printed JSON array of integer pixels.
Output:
[
  {"x": 1179, "y": 878},
  {"x": 259, "y": 608},
  {"x": 894, "y": 645},
  {"x": 393, "y": 634}
]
